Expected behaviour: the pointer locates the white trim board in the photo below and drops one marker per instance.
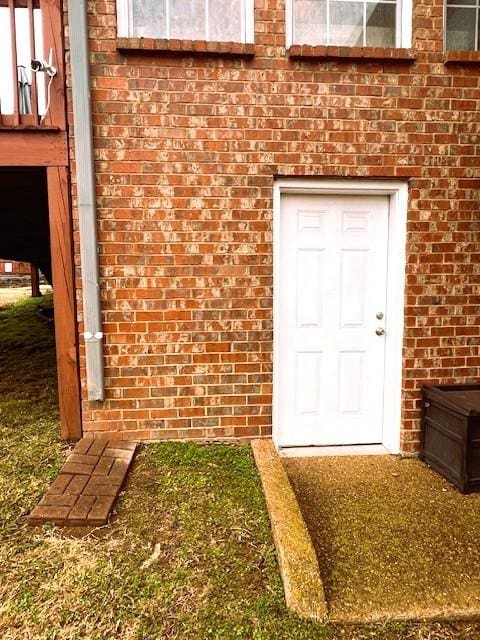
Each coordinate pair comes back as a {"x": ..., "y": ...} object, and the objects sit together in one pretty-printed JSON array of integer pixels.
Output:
[
  {"x": 318, "y": 452},
  {"x": 398, "y": 195}
]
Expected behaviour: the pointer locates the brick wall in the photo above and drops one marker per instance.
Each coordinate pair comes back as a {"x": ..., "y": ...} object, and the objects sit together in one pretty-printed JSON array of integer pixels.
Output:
[{"x": 187, "y": 148}]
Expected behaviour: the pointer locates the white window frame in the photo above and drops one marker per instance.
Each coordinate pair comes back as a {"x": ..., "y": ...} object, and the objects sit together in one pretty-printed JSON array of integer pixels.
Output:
[
  {"x": 397, "y": 234},
  {"x": 458, "y": 5},
  {"x": 124, "y": 20},
  {"x": 403, "y": 37}
]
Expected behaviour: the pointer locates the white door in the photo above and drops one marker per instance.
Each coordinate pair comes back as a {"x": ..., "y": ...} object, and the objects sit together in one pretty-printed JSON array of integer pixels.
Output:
[{"x": 331, "y": 360}]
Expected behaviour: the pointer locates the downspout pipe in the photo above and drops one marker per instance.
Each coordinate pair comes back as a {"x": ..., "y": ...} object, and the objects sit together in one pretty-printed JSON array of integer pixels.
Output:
[{"x": 84, "y": 159}]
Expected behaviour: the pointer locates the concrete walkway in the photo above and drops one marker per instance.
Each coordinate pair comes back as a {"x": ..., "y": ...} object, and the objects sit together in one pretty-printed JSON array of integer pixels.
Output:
[{"x": 394, "y": 540}]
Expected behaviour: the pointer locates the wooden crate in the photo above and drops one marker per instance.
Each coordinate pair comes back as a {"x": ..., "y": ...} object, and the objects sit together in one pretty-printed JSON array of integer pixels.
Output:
[{"x": 451, "y": 433}]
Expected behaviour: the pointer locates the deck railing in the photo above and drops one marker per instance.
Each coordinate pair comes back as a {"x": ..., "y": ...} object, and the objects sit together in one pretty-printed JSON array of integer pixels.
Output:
[{"x": 22, "y": 91}]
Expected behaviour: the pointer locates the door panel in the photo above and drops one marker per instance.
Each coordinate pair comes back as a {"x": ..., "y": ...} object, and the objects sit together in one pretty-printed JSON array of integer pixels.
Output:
[
  {"x": 333, "y": 275},
  {"x": 309, "y": 285}
]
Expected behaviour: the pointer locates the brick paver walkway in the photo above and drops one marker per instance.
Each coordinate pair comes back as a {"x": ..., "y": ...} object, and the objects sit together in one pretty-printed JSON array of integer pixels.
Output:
[{"x": 88, "y": 484}]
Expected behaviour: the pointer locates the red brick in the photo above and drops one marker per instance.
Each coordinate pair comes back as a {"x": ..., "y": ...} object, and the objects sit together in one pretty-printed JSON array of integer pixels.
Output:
[
  {"x": 101, "y": 486},
  {"x": 119, "y": 468},
  {"x": 97, "y": 447},
  {"x": 81, "y": 492},
  {"x": 103, "y": 467},
  {"x": 123, "y": 454},
  {"x": 60, "y": 483},
  {"x": 82, "y": 459},
  {"x": 53, "y": 500},
  {"x": 81, "y": 469},
  {"x": 79, "y": 513},
  {"x": 43, "y": 514},
  {"x": 82, "y": 446},
  {"x": 100, "y": 510},
  {"x": 121, "y": 444},
  {"x": 185, "y": 209},
  {"x": 75, "y": 487}
]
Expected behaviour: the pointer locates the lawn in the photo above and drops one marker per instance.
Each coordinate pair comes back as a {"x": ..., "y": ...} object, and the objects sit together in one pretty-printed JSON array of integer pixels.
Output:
[{"x": 188, "y": 553}]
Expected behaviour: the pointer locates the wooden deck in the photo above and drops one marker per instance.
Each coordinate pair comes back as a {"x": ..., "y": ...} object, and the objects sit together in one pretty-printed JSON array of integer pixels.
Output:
[
  {"x": 84, "y": 492},
  {"x": 37, "y": 146}
]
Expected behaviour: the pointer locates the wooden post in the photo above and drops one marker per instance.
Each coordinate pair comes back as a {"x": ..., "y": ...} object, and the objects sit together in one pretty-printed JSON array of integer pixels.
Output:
[
  {"x": 34, "y": 96},
  {"x": 52, "y": 39},
  {"x": 35, "y": 276},
  {"x": 64, "y": 303},
  {"x": 13, "y": 37}
]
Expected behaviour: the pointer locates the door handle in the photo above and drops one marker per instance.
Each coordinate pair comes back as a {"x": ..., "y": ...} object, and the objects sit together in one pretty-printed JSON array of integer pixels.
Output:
[{"x": 380, "y": 331}]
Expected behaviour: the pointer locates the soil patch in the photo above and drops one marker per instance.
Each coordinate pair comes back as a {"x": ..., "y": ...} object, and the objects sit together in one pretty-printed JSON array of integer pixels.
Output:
[
  {"x": 13, "y": 294},
  {"x": 394, "y": 540}
]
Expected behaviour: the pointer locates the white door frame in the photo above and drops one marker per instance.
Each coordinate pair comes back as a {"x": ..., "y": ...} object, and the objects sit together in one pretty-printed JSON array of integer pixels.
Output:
[{"x": 397, "y": 233}]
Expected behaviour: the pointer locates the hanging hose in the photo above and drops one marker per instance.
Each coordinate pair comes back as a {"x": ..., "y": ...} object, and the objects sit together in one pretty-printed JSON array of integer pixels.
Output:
[
  {"x": 40, "y": 66},
  {"x": 47, "y": 107}
]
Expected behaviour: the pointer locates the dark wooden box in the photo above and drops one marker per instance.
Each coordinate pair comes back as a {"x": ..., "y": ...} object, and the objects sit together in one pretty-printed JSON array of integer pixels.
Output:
[{"x": 451, "y": 433}]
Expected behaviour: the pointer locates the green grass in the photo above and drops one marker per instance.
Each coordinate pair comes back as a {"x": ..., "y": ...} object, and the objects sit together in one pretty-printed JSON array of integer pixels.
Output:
[
  {"x": 188, "y": 554},
  {"x": 30, "y": 450}
]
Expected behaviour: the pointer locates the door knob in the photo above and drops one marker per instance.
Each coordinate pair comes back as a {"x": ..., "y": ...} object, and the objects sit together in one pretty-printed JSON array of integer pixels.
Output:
[
  {"x": 379, "y": 315},
  {"x": 380, "y": 331}
]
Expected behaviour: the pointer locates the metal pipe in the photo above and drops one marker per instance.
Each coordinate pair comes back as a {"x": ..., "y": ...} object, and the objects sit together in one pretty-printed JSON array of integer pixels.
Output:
[{"x": 84, "y": 159}]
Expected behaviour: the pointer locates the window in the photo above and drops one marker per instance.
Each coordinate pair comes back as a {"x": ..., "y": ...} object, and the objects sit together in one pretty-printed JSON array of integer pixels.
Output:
[
  {"x": 461, "y": 25},
  {"x": 215, "y": 20},
  {"x": 350, "y": 23}
]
